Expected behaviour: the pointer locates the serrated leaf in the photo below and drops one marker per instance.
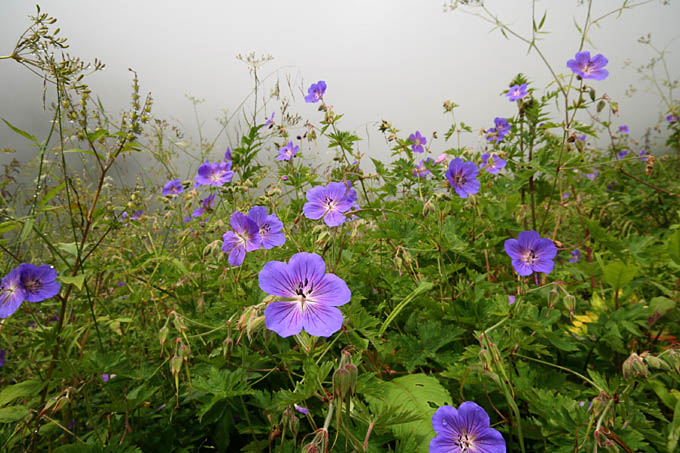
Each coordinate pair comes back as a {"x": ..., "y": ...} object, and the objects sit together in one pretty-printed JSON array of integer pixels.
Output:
[
  {"x": 415, "y": 392},
  {"x": 618, "y": 274},
  {"x": 76, "y": 280}
]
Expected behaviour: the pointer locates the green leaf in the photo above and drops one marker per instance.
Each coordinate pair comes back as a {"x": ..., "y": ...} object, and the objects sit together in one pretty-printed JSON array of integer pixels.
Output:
[
  {"x": 422, "y": 287},
  {"x": 83, "y": 151},
  {"x": 20, "y": 390},
  {"x": 674, "y": 433},
  {"x": 76, "y": 280},
  {"x": 51, "y": 194},
  {"x": 20, "y": 132},
  {"x": 618, "y": 274},
  {"x": 659, "y": 306},
  {"x": 12, "y": 414},
  {"x": 419, "y": 393},
  {"x": 674, "y": 246}
]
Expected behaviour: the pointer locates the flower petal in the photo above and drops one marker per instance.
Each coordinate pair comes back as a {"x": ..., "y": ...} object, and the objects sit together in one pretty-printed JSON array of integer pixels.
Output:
[
  {"x": 277, "y": 279},
  {"x": 513, "y": 249},
  {"x": 527, "y": 239},
  {"x": 306, "y": 267},
  {"x": 258, "y": 214},
  {"x": 320, "y": 320},
  {"x": 237, "y": 255},
  {"x": 442, "y": 419},
  {"x": 330, "y": 290},
  {"x": 284, "y": 318}
]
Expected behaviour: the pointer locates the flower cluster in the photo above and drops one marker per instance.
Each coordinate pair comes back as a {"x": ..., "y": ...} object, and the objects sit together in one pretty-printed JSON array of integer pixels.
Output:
[
  {"x": 466, "y": 429},
  {"x": 330, "y": 203},
  {"x": 27, "y": 282},
  {"x": 498, "y": 133},
  {"x": 312, "y": 296},
  {"x": 588, "y": 68},
  {"x": 462, "y": 177},
  {"x": 418, "y": 141},
  {"x": 251, "y": 232}
]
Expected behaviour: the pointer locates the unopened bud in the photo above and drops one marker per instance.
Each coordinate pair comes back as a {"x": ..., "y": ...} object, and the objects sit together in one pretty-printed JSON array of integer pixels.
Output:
[
  {"x": 163, "y": 335},
  {"x": 175, "y": 365},
  {"x": 634, "y": 366},
  {"x": 341, "y": 383},
  {"x": 428, "y": 207},
  {"x": 569, "y": 303},
  {"x": 553, "y": 297},
  {"x": 655, "y": 362}
]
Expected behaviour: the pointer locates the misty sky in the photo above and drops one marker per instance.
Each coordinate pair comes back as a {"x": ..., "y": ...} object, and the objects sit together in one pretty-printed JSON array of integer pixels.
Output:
[{"x": 396, "y": 60}]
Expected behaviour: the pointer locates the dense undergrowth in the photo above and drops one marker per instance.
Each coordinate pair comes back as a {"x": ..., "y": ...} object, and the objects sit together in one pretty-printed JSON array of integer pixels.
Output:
[{"x": 166, "y": 331}]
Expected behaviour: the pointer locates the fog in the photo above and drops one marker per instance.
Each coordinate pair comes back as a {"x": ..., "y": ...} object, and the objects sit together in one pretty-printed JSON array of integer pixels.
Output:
[{"x": 396, "y": 60}]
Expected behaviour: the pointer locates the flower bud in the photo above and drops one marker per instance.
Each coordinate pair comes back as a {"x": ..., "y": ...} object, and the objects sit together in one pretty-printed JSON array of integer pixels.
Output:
[
  {"x": 163, "y": 335},
  {"x": 634, "y": 366},
  {"x": 341, "y": 383},
  {"x": 553, "y": 297},
  {"x": 569, "y": 303},
  {"x": 655, "y": 362},
  {"x": 175, "y": 365}
]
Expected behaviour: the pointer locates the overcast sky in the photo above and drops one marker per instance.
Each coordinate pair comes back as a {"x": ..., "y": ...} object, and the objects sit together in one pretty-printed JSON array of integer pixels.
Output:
[{"x": 381, "y": 59}]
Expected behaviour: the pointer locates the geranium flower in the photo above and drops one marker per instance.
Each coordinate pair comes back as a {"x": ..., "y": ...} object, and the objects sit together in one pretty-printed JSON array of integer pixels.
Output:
[
  {"x": 517, "y": 92},
  {"x": 12, "y": 294},
  {"x": 227, "y": 154},
  {"x": 492, "y": 163},
  {"x": 499, "y": 132},
  {"x": 301, "y": 409},
  {"x": 313, "y": 296},
  {"x": 624, "y": 130},
  {"x": 463, "y": 177},
  {"x": 270, "y": 120},
  {"x": 622, "y": 154},
  {"x": 530, "y": 253},
  {"x": 38, "y": 282},
  {"x": 173, "y": 187},
  {"x": 465, "y": 430},
  {"x": 216, "y": 174},
  {"x": 269, "y": 227},
  {"x": 287, "y": 152},
  {"x": 206, "y": 203},
  {"x": 418, "y": 142},
  {"x": 421, "y": 169},
  {"x": 672, "y": 118},
  {"x": 587, "y": 68},
  {"x": 245, "y": 238},
  {"x": 644, "y": 155},
  {"x": 592, "y": 175},
  {"x": 316, "y": 92},
  {"x": 329, "y": 202},
  {"x": 575, "y": 256}
]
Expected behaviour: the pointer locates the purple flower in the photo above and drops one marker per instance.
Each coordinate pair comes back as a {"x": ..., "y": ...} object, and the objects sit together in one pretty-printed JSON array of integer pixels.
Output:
[
  {"x": 622, "y": 154},
  {"x": 329, "y": 202},
  {"x": 463, "y": 177},
  {"x": 12, "y": 294},
  {"x": 38, "y": 282},
  {"x": 2, "y": 357},
  {"x": 173, "y": 187},
  {"x": 137, "y": 214},
  {"x": 465, "y": 430},
  {"x": 245, "y": 237},
  {"x": 227, "y": 153},
  {"x": 499, "y": 132},
  {"x": 517, "y": 92},
  {"x": 575, "y": 256},
  {"x": 206, "y": 203},
  {"x": 581, "y": 138},
  {"x": 418, "y": 142},
  {"x": 492, "y": 163},
  {"x": 287, "y": 152},
  {"x": 313, "y": 296},
  {"x": 105, "y": 377},
  {"x": 565, "y": 195},
  {"x": 587, "y": 68},
  {"x": 511, "y": 300},
  {"x": 644, "y": 155},
  {"x": 624, "y": 130},
  {"x": 316, "y": 92},
  {"x": 269, "y": 227},
  {"x": 592, "y": 175},
  {"x": 421, "y": 169},
  {"x": 216, "y": 174},
  {"x": 270, "y": 120},
  {"x": 301, "y": 409},
  {"x": 531, "y": 253},
  {"x": 672, "y": 118}
]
